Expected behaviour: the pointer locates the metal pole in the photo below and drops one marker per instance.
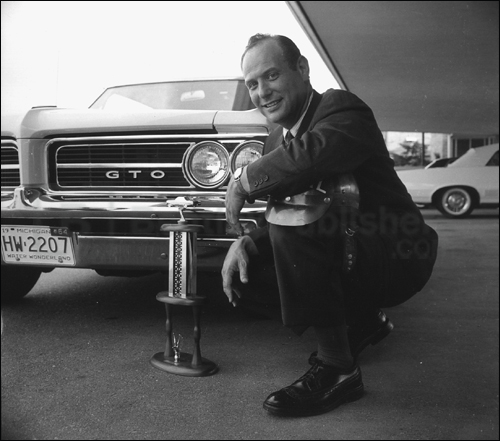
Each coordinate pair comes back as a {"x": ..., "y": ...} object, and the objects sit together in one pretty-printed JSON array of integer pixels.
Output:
[{"x": 423, "y": 149}]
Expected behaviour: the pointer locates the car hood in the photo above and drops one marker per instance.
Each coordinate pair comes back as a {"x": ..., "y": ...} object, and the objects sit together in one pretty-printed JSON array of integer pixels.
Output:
[
  {"x": 228, "y": 121},
  {"x": 47, "y": 121},
  {"x": 42, "y": 122}
]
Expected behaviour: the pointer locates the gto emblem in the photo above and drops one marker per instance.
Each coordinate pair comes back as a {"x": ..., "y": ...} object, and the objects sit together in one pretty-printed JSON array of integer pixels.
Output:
[{"x": 115, "y": 174}]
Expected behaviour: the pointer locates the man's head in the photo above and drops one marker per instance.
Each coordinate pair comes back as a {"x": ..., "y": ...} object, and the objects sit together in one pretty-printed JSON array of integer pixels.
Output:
[{"x": 277, "y": 78}]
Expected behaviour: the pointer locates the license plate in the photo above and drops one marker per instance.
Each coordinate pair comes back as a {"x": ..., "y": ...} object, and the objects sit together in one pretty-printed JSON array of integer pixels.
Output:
[{"x": 37, "y": 245}]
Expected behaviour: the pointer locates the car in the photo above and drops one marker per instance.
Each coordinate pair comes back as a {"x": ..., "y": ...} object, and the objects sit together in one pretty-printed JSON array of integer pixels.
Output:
[
  {"x": 442, "y": 162},
  {"x": 92, "y": 188},
  {"x": 469, "y": 182}
]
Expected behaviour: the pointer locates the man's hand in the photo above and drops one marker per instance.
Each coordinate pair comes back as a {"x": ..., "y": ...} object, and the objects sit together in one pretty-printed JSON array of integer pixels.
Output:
[
  {"x": 237, "y": 261},
  {"x": 235, "y": 200}
]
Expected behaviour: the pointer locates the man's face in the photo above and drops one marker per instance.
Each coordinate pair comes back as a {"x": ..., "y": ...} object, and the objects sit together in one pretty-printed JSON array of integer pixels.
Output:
[{"x": 279, "y": 92}]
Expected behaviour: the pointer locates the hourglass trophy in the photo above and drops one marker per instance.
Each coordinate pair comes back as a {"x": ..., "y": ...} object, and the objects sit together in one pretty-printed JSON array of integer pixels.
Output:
[{"x": 182, "y": 291}]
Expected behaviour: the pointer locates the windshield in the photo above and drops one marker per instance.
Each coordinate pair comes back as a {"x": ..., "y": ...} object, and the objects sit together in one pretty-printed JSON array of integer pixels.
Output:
[{"x": 189, "y": 95}]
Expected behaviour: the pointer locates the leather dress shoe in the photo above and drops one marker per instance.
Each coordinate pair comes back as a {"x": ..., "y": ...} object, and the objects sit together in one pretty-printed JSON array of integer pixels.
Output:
[
  {"x": 361, "y": 336},
  {"x": 321, "y": 389}
]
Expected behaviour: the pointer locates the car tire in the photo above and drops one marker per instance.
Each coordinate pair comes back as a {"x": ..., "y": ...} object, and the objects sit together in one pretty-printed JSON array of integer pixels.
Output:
[
  {"x": 17, "y": 281},
  {"x": 455, "y": 202}
]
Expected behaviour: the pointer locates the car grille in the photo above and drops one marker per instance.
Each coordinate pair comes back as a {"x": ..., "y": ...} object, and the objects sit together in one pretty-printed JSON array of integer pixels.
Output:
[
  {"x": 10, "y": 164},
  {"x": 127, "y": 163},
  {"x": 121, "y": 165},
  {"x": 124, "y": 165}
]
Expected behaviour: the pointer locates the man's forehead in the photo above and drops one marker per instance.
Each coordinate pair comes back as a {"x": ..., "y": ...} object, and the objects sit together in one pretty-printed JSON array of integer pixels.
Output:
[{"x": 264, "y": 56}]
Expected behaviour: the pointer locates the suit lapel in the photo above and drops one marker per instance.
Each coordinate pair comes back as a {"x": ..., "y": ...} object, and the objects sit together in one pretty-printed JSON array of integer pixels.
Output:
[
  {"x": 274, "y": 140},
  {"x": 310, "y": 113}
]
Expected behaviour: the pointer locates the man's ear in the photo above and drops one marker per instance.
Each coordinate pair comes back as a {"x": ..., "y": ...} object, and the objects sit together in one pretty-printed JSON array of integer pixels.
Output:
[{"x": 303, "y": 67}]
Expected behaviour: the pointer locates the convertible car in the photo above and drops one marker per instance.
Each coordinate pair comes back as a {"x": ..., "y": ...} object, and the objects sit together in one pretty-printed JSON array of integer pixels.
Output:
[{"x": 469, "y": 182}]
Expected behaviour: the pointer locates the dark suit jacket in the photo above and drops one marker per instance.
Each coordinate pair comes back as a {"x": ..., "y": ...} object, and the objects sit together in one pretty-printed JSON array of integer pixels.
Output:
[{"x": 339, "y": 135}]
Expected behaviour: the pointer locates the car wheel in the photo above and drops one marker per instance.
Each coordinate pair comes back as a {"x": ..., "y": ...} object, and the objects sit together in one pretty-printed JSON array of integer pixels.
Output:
[
  {"x": 455, "y": 203},
  {"x": 17, "y": 281}
]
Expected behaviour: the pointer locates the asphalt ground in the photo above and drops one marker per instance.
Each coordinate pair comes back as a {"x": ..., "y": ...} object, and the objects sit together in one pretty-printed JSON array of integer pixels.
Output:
[{"x": 76, "y": 359}]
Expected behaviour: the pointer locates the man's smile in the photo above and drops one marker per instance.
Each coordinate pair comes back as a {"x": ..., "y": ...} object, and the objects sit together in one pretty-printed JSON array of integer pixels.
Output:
[{"x": 272, "y": 104}]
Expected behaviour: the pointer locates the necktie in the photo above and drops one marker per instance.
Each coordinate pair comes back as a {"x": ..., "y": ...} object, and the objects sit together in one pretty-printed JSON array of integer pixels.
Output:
[{"x": 288, "y": 137}]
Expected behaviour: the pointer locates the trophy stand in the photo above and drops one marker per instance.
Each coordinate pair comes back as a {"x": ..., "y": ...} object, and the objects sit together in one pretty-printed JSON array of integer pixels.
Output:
[{"x": 182, "y": 291}]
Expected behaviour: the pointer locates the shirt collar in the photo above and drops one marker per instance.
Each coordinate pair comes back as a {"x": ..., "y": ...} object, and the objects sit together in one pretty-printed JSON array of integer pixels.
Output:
[{"x": 296, "y": 127}]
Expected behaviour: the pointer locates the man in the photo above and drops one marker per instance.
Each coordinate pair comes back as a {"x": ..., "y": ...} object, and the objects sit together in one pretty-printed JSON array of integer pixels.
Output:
[{"x": 343, "y": 235}]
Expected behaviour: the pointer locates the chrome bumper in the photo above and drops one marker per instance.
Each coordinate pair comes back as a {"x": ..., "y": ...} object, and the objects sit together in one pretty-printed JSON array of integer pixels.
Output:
[{"x": 122, "y": 233}]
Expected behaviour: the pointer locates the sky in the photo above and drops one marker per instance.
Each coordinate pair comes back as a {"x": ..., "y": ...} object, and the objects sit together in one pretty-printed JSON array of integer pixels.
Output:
[{"x": 65, "y": 53}]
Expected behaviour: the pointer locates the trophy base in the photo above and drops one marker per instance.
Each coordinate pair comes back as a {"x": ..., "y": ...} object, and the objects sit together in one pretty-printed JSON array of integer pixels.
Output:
[{"x": 184, "y": 366}]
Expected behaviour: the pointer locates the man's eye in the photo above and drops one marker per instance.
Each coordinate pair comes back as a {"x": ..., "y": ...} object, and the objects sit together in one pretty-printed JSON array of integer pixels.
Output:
[
  {"x": 273, "y": 75},
  {"x": 251, "y": 86}
]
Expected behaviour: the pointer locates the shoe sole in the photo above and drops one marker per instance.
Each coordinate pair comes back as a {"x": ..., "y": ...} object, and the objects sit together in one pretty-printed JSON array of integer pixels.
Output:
[{"x": 349, "y": 397}]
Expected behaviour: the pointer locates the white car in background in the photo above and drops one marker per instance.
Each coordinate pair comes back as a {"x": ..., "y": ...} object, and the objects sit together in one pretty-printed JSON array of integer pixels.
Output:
[{"x": 456, "y": 190}]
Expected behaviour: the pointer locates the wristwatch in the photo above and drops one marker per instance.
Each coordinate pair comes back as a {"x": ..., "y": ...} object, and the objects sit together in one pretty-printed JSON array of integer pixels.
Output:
[{"x": 237, "y": 174}]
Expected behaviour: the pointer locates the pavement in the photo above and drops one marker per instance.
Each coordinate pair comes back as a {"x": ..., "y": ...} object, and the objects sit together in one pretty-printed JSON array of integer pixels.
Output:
[{"x": 76, "y": 359}]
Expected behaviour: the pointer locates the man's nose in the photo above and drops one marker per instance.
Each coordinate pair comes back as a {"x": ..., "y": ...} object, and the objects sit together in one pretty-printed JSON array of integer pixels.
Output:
[{"x": 264, "y": 90}]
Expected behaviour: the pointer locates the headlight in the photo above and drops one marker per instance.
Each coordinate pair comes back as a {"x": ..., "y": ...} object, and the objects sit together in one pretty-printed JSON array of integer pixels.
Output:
[
  {"x": 246, "y": 153},
  {"x": 206, "y": 164}
]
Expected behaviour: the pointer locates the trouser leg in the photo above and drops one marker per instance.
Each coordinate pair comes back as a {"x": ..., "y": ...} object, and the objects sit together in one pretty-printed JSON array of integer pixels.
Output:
[
  {"x": 261, "y": 294},
  {"x": 302, "y": 272},
  {"x": 365, "y": 287},
  {"x": 308, "y": 270}
]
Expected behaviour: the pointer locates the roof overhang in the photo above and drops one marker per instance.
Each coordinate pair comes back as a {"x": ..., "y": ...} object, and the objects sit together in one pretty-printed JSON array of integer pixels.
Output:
[{"x": 425, "y": 66}]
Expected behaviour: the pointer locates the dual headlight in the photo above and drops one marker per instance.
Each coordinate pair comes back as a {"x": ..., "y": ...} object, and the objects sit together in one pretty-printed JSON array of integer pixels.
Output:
[{"x": 208, "y": 164}]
